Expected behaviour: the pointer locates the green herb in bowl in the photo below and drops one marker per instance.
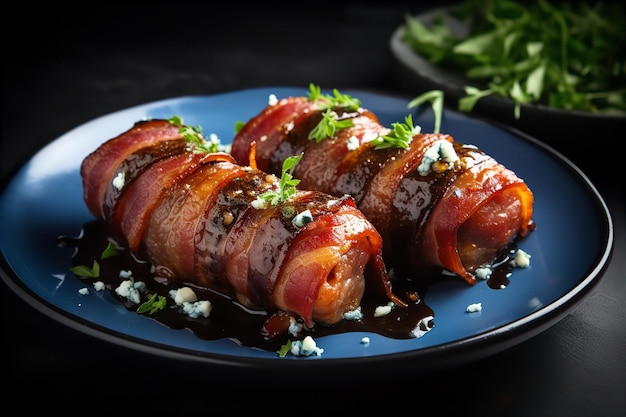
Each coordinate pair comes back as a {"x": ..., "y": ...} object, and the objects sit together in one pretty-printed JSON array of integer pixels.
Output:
[{"x": 563, "y": 55}]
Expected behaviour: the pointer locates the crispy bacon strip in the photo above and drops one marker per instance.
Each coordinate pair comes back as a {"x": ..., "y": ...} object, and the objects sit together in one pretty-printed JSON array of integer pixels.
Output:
[
  {"x": 194, "y": 215},
  {"x": 457, "y": 216}
]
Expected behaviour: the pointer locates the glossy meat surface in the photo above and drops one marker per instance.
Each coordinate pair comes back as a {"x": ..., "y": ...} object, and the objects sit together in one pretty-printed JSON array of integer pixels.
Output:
[
  {"x": 196, "y": 217},
  {"x": 457, "y": 215}
]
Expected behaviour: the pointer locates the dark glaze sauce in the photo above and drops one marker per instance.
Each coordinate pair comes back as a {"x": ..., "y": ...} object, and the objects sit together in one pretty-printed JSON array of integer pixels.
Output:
[{"x": 228, "y": 319}]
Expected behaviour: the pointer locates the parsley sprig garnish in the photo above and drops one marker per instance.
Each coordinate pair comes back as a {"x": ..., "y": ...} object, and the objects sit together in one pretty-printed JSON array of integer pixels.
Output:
[
  {"x": 287, "y": 185},
  {"x": 329, "y": 124},
  {"x": 284, "y": 349},
  {"x": 436, "y": 101},
  {"x": 337, "y": 99},
  {"x": 194, "y": 136},
  {"x": 94, "y": 271},
  {"x": 327, "y": 103},
  {"x": 154, "y": 303},
  {"x": 400, "y": 136},
  {"x": 87, "y": 272}
]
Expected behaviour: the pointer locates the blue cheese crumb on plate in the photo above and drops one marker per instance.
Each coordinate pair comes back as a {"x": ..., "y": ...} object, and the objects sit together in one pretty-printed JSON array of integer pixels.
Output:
[
  {"x": 474, "y": 308},
  {"x": 306, "y": 347}
]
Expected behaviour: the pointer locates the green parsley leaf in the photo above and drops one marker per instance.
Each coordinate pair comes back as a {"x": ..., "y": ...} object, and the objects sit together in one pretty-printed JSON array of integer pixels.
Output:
[
  {"x": 436, "y": 100},
  {"x": 85, "y": 271},
  {"x": 327, "y": 103},
  {"x": 109, "y": 251},
  {"x": 193, "y": 136},
  {"x": 239, "y": 125},
  {"x": 155, "y": 303},
  {"x": 472, "y": 95},
  {"x": 284, "y": 349},
  {"x": 329, "y": 124},
  {"x": 315, "y": 92},
  {"x": 562, "y": 54},
  {"x": 400, "y": 136},
  {"x": 337, "y": 99},
  {"x": 287, "y": 186}
]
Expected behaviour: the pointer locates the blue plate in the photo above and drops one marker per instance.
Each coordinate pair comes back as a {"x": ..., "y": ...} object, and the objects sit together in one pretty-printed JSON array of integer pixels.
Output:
[{"x": 570, "y": 247}]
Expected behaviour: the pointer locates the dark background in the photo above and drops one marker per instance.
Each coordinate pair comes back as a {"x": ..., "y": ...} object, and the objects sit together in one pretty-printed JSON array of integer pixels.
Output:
[{"x": 64, "y": 66}]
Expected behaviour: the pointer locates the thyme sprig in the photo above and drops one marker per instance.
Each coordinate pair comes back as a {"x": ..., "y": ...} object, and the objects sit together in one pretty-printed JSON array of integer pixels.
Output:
[{"x": 194, "y": 136}]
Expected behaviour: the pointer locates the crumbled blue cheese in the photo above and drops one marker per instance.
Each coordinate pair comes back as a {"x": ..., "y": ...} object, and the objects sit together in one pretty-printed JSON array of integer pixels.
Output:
[
  {"x": 83, "y": 291},
  {"x": 98, "y": 285},
  {"x": 259, "y": 203},
  {"x": 197, "y": 308},
  {"x": 483, "y": 272},
  {"x": 182, "y": 295},
  {"x": 306, "y": 347},
  {"x": 353, "y": 143},
  {"x": 294, "y": 327},
  {"x": 383, "y": 310},
  {"x": 302, "y": 219},
  {"x": 188, "y": 300},
  {"x": 119, "y": 180},
  {"x": 125, "y": 273},
  {"x": 521, "y": 260},
  {"x": 440, "y": 150},
  {"x": 355, "y": 314},
  {"x": 131, "y": 290},
  {"x": 272, "y": 100},
  {"x": 369, "y": 136},
  {"x": 473, "y": 308},
  {"x": 214, "y": 140}
]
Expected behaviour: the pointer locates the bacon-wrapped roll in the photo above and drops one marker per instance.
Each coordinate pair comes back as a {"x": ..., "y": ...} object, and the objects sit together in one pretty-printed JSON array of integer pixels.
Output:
[
  {"x": 436, "y": 202},
  {"x": 199, "y": 217}
]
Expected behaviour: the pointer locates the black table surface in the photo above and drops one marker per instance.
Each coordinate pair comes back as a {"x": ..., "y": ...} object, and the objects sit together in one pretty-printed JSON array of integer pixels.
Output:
[{"x": 77, "y": 64}]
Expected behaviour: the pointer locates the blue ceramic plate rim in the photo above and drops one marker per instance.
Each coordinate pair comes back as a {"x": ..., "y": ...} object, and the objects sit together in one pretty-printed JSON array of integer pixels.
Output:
[{"x": 570, "y": 248}]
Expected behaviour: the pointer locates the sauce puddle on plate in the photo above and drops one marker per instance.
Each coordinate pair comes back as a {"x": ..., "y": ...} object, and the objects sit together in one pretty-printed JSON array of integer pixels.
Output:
[{"x": 229, "y": 319}]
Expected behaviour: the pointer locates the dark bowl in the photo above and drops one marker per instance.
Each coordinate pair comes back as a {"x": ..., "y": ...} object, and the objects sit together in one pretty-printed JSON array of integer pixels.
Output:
[{"x": 569, "y": 132}]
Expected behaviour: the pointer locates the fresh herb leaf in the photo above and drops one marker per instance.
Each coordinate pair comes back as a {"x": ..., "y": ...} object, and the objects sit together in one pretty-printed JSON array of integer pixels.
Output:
[
  {"x": 472, "y": 95},
  {"x": 327, "y": 103},
  {"x": 287, "y": 186},
  {"x": 337, "y": 99},
  {"x": 400, "y": 136},
  {"x": 193, "y": 135},
  {"x": 284, "y": 349},
  {"x": 566, "y": 55},
  {"x": 327, "y": 127},
  {"x": 94, "y": 271},
  {"x": 436, "y": 101},
  {"x": 239, "y": 125},
  {"x": 109, "y": 251},
  {"x": 155, "y": 303},
  {"x": 85, "y": 271}
]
